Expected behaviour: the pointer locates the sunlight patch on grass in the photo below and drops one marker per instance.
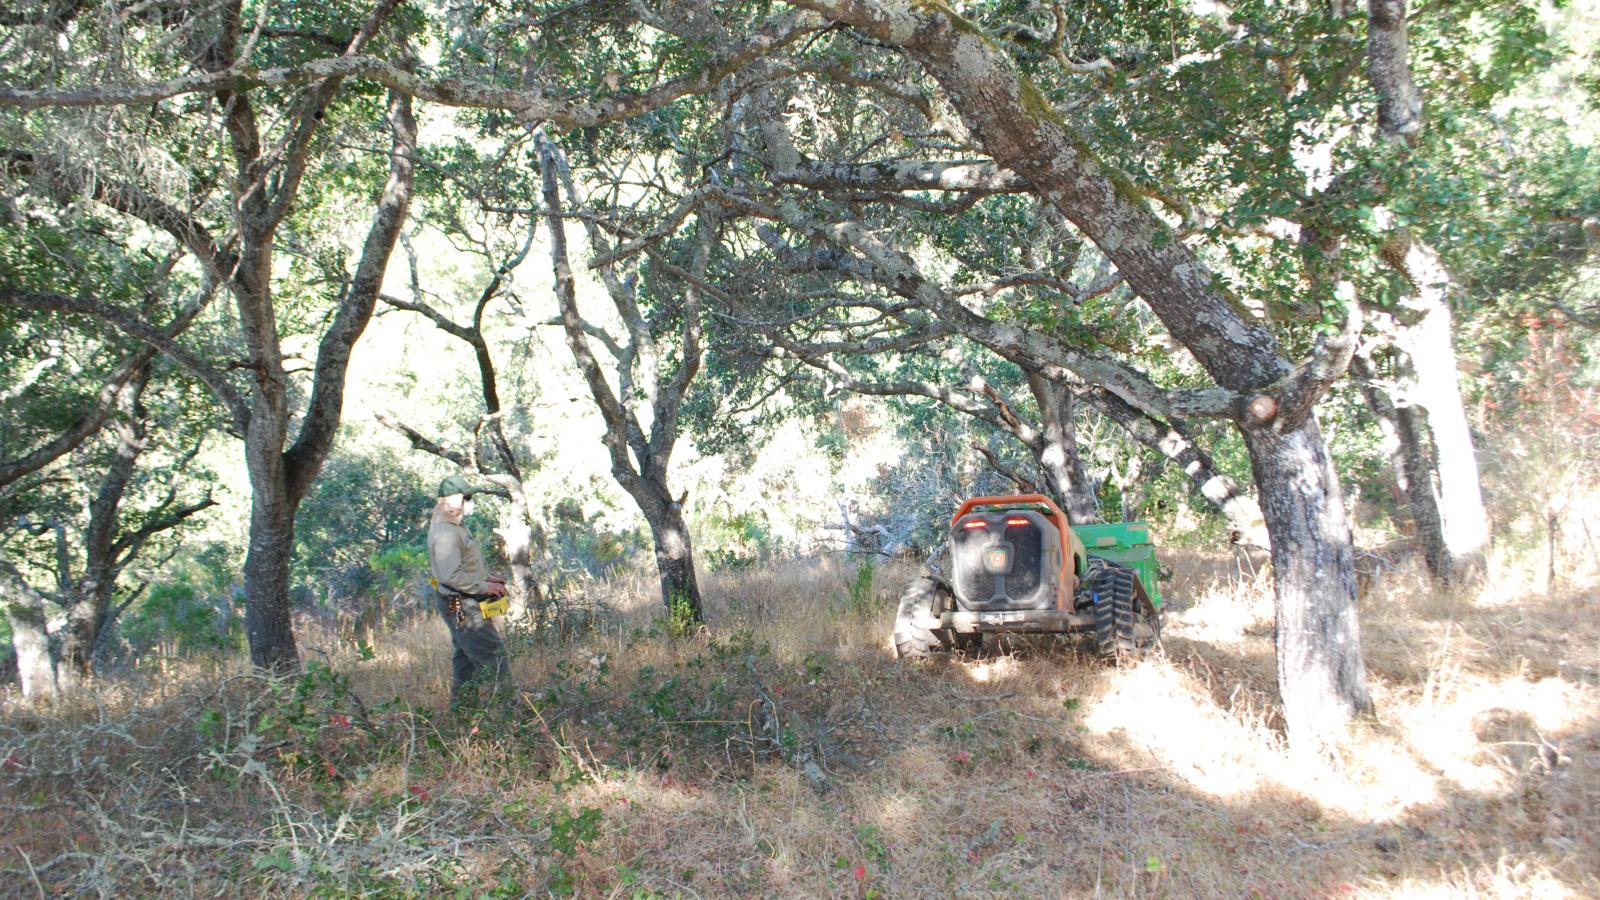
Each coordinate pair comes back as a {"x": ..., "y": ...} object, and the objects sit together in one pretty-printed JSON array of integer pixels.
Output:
[
  {"x": 914, "y": 769},
  {"x": 1509, "y": 876},
  {"x": 993, "y": 670},
  {"x": 1150, "y": 706},
  {"x": 1224, "y": 613},
  {"x": 1468, "y": 737},
  {"x": 902, "y": 813}
]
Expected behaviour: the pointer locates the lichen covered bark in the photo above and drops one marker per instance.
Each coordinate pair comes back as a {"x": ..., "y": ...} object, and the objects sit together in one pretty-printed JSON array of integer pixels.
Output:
[{"x": 1320, "y": 675}]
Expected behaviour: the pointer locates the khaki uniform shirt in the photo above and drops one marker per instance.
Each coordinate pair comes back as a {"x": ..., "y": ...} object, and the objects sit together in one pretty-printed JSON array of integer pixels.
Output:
[{"x": 456, "y": 560}]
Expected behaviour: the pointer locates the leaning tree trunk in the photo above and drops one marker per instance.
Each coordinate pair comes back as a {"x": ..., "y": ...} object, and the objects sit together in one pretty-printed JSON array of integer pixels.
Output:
[
  {"x": 624, "y": 439},
  {"x": 1057, "y": 451},
  {"x": 1320, "y": 675},
  {"x": 1322, "y": 682},
  {"x": 1173, "y": 442},
  {"x": 87, "y": 617}
]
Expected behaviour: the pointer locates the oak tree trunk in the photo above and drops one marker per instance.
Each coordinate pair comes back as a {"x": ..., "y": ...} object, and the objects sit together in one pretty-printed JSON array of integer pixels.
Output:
[
  {"x": 36, "y": 669},
  {"x": 266, "y": 578},
  {"x": 280, "y": 474},
  {"x": 680, "y": 589},
  {"x": 1404, "y": 442},
  {"x": 1423, "y": 329},
  {"x": 90, "y": 611},
  {"x": 30, "y": 636},
  {"x": 1424, "y": 421},
  {"x": 1057, "y": 452},
  {"x": 1424, "y": 336},
  {"x": 1320, "y": 675},
  {"x": 638, "y": 463},
  {"x": 85, "y": 620},
  {"x": 517, "y": 533}
]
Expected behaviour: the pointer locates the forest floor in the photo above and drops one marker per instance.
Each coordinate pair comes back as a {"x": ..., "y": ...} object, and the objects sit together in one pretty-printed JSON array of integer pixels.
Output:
[{"x": 784, "y": 752}]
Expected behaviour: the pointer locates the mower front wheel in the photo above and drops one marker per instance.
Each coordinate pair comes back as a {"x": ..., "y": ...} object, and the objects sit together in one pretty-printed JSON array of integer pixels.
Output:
[{"x": 915, "y": 635}]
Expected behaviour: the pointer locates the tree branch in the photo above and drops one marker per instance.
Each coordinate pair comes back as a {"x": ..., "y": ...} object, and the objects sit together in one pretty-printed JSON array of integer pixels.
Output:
[
  {"x": 66, "y": 180},
  {"x": 533, "y": 104},
  {"x": 127, "y": 547},
  {"x": 686, "y": 205},
  {"x": 898, "y": 272},
  {"x": 1023, "y": 485},
  {"x": 304, "y": 459},
  {"x": 419, "y": 442},
  {"x": 307, "y": 118},
  {"x": 99, "y": 546},
  {"x": 110, "y": 396},
  {"x": 664, "y": 414},
  {"x": 135, "y": 327},
  {"x": 968, "y": 176},
  {"x": 611, "y": 411},
  {"x": 640, "y": 351}
]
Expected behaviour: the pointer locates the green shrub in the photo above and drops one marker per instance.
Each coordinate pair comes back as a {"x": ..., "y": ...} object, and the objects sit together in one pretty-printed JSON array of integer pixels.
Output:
[
  {"x": 734, "y": 541},
  {"x": 193, "y": 613},
  {"x": 581, "y": 543},
  {"x": 859, "y": 598}
]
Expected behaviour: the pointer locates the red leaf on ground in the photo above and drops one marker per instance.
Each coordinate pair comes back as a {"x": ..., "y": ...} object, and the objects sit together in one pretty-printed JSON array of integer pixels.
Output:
[{"x": 860, "y": 872}]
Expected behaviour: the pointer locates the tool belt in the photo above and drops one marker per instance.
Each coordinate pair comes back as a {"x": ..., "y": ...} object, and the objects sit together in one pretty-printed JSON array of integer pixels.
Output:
[{"x": 488, "y": 604}]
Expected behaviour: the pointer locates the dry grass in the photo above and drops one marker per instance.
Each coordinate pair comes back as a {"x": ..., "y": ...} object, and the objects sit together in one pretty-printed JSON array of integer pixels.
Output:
[{"x": 709, "y": 767}]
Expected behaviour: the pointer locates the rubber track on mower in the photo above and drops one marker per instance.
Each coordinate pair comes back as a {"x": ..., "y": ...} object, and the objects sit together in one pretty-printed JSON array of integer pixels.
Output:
[{"x": 1116, "y": 613}]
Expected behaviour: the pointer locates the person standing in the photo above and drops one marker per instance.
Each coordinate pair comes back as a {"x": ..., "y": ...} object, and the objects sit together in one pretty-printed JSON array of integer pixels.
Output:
[{"x": 463, "y": 580}]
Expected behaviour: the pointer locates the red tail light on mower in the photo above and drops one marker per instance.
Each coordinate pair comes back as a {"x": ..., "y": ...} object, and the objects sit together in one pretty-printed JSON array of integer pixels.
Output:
[
  {"x": 1017, "y": 521},
  {"x": 976, "y": 523}
]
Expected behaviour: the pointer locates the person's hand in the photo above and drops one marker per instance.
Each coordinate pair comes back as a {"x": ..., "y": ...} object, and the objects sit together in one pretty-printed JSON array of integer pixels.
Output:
[
  {"x": 496, "y": 589},
  {"x": 494, "y": 579}
]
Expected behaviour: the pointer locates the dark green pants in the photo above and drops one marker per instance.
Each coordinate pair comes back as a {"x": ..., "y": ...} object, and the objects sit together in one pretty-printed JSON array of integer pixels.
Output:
[{"x": 480, "y": 654}]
